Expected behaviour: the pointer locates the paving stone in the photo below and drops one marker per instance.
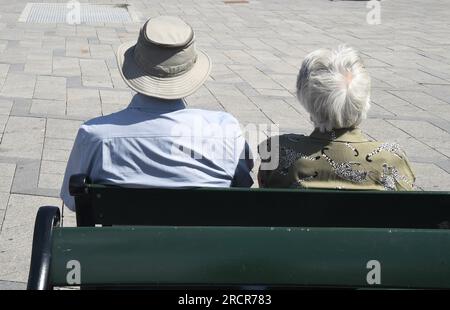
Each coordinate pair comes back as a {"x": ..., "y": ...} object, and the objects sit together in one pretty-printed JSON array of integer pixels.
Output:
[
  {"x": 279, "y": 112},
  {"x": 240, "y": 57},
  {"x": 2, "y": 213},
  {"x": 3, "y": 121},
  {"x": 26, "y": 177},
  {"x": 102, "y": 51},
  {"x": 441, "y": 92},
  {"x": 5, "y": 107},
  {"x": 115, "y": 97},
  {"x": 107, "y": 36},
  {"x": 74, "y": 82},
  {"x": 23, "y": 137},
  {"x": 3, "y": 45},
  {"x": 50, "y": 180},
  {"x": 51, "y": 88},
  {"x": 17, "y": 68},
  {"x": 4, "y": 68},
  {"x": 19, "y": 85},
  {"x": 96, "y": 81},
  {"x": 59, "y": 52},
  {"x": 55, "y": 154},
  {"x": 21, "y": 106},
  {"x": 422, "y": 130},
  {"x": 203, "y": 99},
  {"x": 15, "y": 250},
  {"x": 394, "y": 104},
  {"x": 9, "y": 285},
  {"x": 54, "y": 42},
  {"x": 21, "y": 210},
  {"x": 428, "y": 134},
  {"x": 77, "y": 47},
  {"x": 288, "y": 81},
  {"x": 274, "y": 92},
  {"x": 86, "y": 31},
  {"x": 422, "y": 100},
  {"x": 83, "y": 102},
  {"x": 394, "y": 80},
  {"x": 68, "y": 218},
  {"x": 253, "y": 117},
  {"x": 52, "y": 167},
  {"x": 16, "y": 235},
  {"x": 419, "y": 76},
  {"x": 66, "y": 66},
  {"x": 14, "y": 55},
  {"x": 93, "y": 67},
  {"x": 38, "y": 66},
  {"x": 61, "y": 129},
  {"x": 254, "y": 77},
  {"x": 3, "y": 203},
  {"x": 236, "y": 103},
  {"x": 222, "y": 89},
  {"x": 382, "y": 130},
  {"x": 6, "y": 177},
  {"x": 61, "y": 143},
  {"x": 113, "y": 101},
  {"x": 430, "y": 177},
  {"x": 49, "y": 107},
  {"x": 117, "y": 79}
]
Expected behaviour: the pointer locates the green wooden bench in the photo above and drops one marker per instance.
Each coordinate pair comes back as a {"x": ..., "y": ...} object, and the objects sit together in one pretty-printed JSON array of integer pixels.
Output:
[{"x": 240, "y": 237}]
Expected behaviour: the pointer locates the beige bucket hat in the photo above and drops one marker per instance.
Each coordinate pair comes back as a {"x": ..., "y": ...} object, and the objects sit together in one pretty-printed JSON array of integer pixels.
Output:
[{"x": 164, "y": 62}]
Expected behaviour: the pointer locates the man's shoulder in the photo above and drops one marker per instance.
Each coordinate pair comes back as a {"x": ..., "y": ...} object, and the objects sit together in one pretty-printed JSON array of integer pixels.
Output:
[
  {"x": 104, "y": 119},
  {"x": 116, "y": 123},
  {"x": 99, "y": 126},
  {"x": 212, "y": 122},
  {"x": 212, "y": 115},
  {"x": 290, "y": 139}
]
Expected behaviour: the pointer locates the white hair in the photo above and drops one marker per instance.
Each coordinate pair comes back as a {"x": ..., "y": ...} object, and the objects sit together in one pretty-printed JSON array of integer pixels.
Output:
[{"x": 334, "y": 87}]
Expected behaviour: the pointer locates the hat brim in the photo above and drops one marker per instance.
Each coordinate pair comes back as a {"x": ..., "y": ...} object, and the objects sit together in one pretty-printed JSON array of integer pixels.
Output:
[{"x": 166, "y": 88}]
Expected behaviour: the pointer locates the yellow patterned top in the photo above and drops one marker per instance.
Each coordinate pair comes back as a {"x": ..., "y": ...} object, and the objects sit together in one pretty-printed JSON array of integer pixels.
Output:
[{"x": 340, "y": 159}]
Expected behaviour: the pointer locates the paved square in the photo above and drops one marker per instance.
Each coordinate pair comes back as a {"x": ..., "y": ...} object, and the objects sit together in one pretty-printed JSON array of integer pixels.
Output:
[{"x": 55, "y": 76}]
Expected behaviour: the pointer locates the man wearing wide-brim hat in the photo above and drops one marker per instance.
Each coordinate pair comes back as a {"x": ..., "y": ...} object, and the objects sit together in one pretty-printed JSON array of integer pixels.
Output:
[{"x": 156, "y": 141}]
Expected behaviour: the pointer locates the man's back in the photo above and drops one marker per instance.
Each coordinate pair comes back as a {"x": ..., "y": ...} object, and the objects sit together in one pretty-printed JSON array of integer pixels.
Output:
[{"x": 160, "y": 143}]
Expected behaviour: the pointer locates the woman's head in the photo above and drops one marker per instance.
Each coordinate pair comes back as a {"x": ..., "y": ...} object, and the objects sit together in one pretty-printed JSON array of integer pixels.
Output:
[{"x": 334, "y": 87}]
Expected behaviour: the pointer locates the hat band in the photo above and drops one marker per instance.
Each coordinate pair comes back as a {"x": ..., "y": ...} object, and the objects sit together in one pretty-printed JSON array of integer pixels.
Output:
[
  {"x": 164, "y": 62},
  {"x": 164, "y": 71}
]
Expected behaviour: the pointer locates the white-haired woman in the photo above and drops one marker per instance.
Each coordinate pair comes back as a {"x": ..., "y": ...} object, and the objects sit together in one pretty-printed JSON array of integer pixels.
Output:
[{"x": 334, "y": 87}]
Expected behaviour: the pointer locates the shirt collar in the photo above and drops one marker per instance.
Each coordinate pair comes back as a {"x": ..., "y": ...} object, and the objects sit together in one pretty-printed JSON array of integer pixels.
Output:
[
  {"x": 153, "y": 104},
  {"x": 340, "y": 135}
]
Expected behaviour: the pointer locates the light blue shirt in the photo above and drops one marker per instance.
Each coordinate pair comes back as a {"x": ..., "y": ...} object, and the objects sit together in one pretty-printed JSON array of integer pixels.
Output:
[{"x": 160, "y": 143}]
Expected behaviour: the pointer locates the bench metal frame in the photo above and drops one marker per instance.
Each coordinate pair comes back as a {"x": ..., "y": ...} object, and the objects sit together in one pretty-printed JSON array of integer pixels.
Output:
[{"x": 41, "y": 256}]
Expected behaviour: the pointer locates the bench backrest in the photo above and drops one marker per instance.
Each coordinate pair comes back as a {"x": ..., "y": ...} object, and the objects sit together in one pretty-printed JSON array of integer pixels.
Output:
[{"x": 109, "y": 205}]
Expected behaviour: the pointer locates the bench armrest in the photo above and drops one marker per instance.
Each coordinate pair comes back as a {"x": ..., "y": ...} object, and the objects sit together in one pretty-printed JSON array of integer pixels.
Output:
[
  {"x": 47, "y": 218},
  {"x": 78, "y": 184}
]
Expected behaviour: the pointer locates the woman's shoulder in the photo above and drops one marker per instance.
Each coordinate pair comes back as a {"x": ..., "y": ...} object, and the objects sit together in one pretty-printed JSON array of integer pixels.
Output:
[{"x": 290, "y": 139}]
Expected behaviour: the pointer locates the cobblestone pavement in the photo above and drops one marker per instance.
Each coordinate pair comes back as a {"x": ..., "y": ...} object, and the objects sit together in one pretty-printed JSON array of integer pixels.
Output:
[{"x": 55, "y": 76}]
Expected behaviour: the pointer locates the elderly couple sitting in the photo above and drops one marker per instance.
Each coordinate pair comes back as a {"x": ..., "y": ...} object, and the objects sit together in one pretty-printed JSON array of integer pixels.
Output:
[{"x": 158, "y": 142}]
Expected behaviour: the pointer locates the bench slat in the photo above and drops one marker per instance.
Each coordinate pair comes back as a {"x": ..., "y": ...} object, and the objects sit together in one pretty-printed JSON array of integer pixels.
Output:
[
  {"x": 262, "y": 207},
  {"x": 252, "y": 255}
]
